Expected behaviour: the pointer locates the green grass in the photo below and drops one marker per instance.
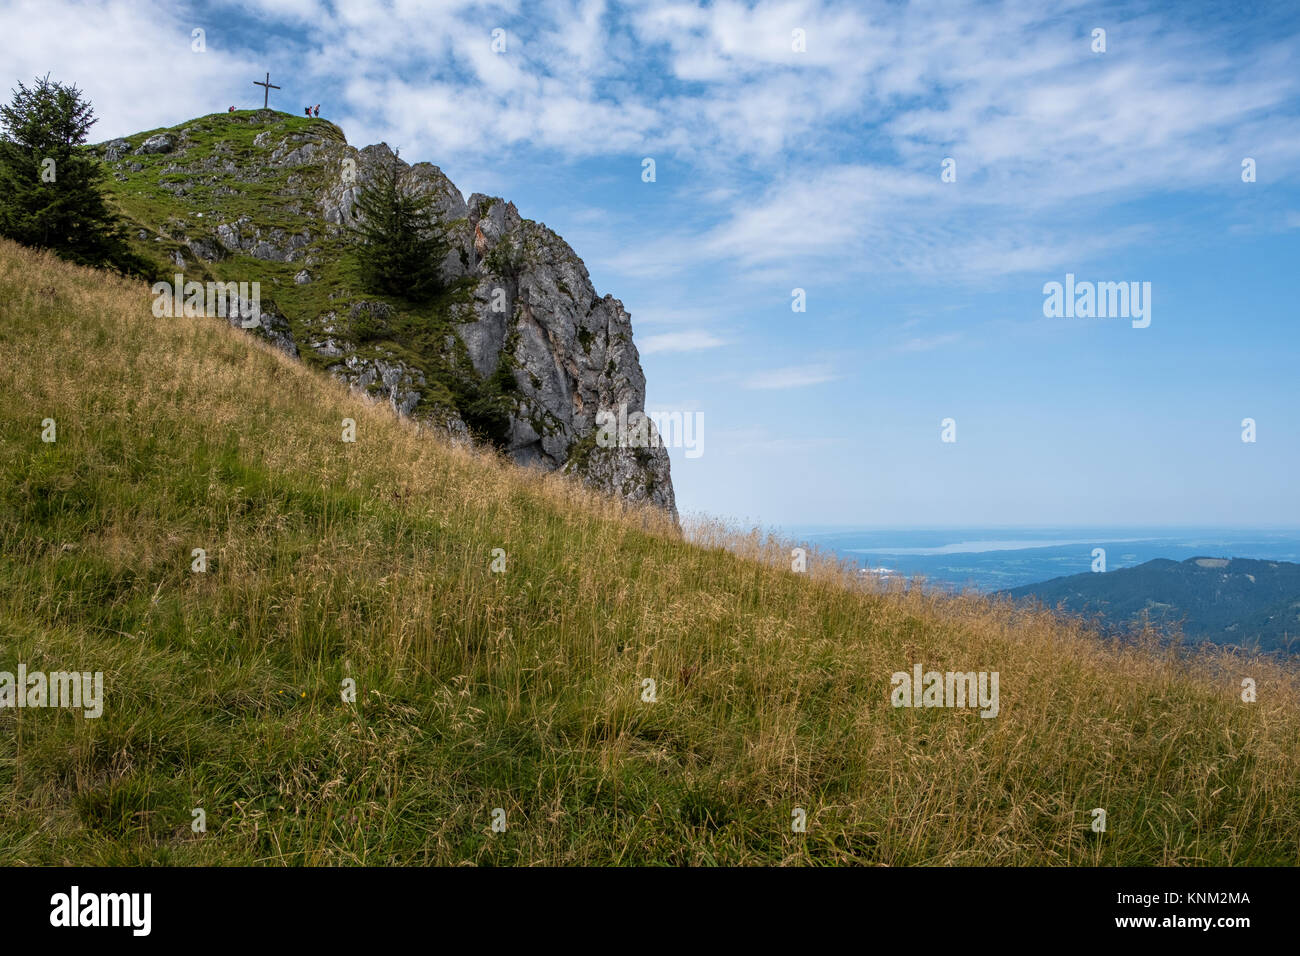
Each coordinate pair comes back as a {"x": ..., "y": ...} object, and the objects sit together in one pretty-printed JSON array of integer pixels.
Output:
[{"x": 521, "y": 691}]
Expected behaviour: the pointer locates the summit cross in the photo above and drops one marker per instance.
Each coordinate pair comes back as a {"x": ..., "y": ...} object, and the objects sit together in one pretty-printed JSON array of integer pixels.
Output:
[{"x": 266, "y": 92}]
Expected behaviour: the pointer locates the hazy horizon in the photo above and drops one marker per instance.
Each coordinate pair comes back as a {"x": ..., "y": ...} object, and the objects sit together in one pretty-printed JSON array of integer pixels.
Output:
[{"x": 977, "y": 557}]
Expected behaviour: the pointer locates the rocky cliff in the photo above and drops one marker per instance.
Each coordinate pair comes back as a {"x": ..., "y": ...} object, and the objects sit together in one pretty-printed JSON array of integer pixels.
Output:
[{"x": 519, "y": 350}]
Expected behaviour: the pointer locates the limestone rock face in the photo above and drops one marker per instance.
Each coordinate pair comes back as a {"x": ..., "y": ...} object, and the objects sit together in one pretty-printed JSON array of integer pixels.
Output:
[
  {"x": 572, "y": 350},
  {"x": 524, "y": 311}
]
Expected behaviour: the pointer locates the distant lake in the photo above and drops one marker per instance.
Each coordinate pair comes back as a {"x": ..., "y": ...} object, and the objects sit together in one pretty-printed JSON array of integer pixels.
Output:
[{"x": 989, "y": 559}]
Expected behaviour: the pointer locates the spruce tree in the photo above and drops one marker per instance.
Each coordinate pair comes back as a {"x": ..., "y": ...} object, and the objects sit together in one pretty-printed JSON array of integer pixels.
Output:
[
  {"x": 50, "y": 182},
  {"x": 400, "y": 247}
]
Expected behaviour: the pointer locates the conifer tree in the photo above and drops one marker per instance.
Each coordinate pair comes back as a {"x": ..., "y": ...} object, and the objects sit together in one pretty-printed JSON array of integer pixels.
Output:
[
  {"x": 50, "y": 182},
  {"x": 400, "y": 249}
]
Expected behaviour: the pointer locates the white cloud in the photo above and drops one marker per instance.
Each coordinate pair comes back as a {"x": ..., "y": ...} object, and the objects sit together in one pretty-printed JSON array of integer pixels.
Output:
[
  {"x": 132, "y": 59},
  {"x": 827, "y": 159},
  {"x": 794, "y": 376},
  {"x": 679, "y": 342},
  {"x": 927, "y": 343}
]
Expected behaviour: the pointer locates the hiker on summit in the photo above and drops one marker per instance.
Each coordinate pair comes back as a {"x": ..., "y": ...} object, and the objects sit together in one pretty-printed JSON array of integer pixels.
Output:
[
  {"x": 307, "y": 110},
  {"x": 317, "y": 109},
  {"x": 231, "y": 110}
]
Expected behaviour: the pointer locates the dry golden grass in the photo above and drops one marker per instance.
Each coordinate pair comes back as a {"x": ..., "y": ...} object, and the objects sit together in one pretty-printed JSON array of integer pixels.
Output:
[{"x": 523, "y": 690}]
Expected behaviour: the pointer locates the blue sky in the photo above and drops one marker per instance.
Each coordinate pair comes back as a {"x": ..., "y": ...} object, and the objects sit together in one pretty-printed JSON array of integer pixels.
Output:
[{"x": 819, "y": 169}]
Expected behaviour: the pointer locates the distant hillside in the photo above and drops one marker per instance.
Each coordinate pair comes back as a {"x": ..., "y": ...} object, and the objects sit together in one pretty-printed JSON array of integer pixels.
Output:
[{"x": 1224, "y": 600}]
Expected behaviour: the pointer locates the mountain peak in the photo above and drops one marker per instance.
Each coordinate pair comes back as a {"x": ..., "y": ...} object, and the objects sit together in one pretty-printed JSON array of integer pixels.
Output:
[{"x": 519, "y": 349}]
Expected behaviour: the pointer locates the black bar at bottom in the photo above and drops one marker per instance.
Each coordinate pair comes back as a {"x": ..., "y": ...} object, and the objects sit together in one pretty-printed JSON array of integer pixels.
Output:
[{"x": 331, "y": 906}]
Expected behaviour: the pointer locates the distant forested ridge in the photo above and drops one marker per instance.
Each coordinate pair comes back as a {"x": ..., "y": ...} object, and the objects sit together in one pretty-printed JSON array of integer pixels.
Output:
[{"x": 1224, "y": 600}]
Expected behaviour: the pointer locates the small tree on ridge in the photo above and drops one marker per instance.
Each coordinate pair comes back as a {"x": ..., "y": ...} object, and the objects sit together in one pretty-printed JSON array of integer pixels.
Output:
[{"x": 401, "y": 248}]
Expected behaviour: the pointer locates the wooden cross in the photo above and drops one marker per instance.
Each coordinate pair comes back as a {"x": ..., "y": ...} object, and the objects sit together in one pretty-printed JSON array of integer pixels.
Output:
[{"x": 266, "y": 93}]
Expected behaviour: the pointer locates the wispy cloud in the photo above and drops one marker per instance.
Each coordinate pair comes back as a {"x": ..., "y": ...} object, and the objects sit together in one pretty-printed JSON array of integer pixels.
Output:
[
  {"x": 679, "y": 342},
  {"x": 758, "y": 440},
  {"x": 926, "y": 343},
  {"x": 1049, "y": 138},
  {"x": 794, "y": 376}
]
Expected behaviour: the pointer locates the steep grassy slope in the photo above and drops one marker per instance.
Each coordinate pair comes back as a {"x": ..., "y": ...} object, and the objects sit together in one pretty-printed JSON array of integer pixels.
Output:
[{"x": 520, "y": 690}]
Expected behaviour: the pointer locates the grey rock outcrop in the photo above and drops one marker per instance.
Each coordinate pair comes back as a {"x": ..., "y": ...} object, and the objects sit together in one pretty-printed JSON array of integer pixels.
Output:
[
  {"x": 525, "y": 309},
  {"x": 572, "y": 350},
  {"x": 162, "y": 143}
]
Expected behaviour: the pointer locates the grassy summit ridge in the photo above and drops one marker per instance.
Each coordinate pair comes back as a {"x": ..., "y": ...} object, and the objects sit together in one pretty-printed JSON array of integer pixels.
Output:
[
  {"x": 523, "y": 690},
  {"x": 224, "y": 174}
]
